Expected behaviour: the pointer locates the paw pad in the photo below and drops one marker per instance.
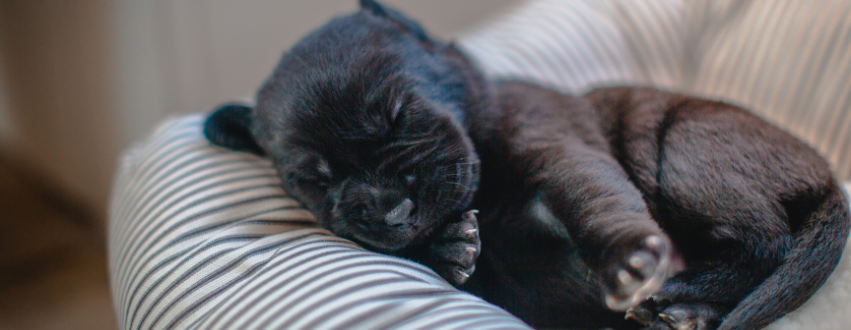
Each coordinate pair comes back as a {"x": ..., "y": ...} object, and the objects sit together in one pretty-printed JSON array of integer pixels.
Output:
[{"x": 641, "y": 273}]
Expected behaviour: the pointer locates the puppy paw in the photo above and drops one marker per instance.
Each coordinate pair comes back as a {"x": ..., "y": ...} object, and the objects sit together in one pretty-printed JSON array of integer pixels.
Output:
[
  {"x": 679, "y": 319},
  {"x": 689, "y": 317},
  {"x": 647, "y": 311},
  {"x": 457, "y": 248},
  {"x": 639, "y": 273}
]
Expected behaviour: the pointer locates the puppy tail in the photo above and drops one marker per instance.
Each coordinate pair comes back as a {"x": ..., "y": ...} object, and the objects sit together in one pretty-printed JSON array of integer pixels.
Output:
[{"x": 813, "y": 257}]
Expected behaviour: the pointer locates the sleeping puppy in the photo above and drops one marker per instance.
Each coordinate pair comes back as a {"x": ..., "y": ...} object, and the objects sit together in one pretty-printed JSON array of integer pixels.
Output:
[{"x": 589, "y": 205}]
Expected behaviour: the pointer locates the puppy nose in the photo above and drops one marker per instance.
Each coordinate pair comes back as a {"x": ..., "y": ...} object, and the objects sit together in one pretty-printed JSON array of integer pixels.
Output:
[{"x": 399, "y": 214}]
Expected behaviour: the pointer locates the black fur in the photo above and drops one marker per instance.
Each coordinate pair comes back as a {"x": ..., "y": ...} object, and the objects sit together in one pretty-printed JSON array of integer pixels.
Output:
[
  {"x": 379, "y": 130},
  {"x": 228, "y": 127}
]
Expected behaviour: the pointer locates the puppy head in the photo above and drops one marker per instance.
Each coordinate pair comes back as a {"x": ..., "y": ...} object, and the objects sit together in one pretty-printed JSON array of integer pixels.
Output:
[{"x": 363, "y": 119}]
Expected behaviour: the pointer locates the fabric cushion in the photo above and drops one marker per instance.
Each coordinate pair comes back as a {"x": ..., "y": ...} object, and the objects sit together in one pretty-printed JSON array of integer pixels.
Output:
[{"x": 204, "y": 238}]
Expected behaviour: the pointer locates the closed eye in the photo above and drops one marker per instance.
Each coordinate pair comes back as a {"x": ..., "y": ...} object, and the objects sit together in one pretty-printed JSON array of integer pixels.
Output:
[
  {"x": 308, "y": 180},
  {"x": 314, "y": 182}
]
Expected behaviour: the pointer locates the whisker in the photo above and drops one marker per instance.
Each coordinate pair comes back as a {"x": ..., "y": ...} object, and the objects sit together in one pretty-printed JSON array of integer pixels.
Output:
[
  {"x": 454, "y": 183},
  {"x": 408, "y": 143}
]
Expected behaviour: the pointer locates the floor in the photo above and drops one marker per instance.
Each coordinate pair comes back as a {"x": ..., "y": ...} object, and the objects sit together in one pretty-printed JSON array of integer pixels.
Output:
[{"x": 53, "y": 272}]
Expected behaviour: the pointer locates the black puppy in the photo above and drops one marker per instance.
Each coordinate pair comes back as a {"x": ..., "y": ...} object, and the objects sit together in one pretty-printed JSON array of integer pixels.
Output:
[{"x": 390, "y": 137}]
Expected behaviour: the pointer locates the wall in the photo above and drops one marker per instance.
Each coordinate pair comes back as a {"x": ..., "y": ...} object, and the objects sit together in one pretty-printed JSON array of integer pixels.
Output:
[
  {"x": 8, "y": 135},
  {"x": 85, "y": 78},
  {"x": 189, "y": 56},
  {"x": 58, "y": 80}
]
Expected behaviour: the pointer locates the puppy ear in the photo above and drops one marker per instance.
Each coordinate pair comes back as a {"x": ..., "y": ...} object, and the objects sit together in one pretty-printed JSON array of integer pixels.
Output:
[
  {"x": 380, "y": 10},
  {"x": 229, "y": 127}
]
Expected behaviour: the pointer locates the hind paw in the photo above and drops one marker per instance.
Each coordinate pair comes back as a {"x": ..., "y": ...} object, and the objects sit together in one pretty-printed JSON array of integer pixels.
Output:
[
  {"x": 640, "y": 274},
  {"x": 679, "y": 319},
  {"x": 647, "y": 312},
  {"x": 677, "y": 316}
]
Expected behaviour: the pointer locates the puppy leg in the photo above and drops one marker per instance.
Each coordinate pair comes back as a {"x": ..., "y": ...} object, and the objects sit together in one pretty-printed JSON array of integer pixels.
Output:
[
  {"x": 607, "y": 220},
  {"x": 553, "y": 141}
]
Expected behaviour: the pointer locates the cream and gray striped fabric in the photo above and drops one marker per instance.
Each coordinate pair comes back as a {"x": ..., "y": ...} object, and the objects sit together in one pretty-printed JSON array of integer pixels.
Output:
[
  {"x": 789, "y": 61},
  {"x": 203, "y": 238}
]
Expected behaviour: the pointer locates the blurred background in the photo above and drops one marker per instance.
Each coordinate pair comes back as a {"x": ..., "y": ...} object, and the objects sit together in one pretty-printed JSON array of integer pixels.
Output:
[{"x": 80, "y": 80}]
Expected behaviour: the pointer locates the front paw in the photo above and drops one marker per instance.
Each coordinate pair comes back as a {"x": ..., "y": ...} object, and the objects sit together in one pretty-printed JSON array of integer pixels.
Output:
[
  {"x": 638, "y": 274},
  {"x": 456, "y": 249}
]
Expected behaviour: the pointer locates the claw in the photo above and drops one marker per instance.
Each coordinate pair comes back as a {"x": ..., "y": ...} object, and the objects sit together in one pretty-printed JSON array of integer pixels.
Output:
[
  {"x": 630, "y": 314},
  {"x": 640, "y": 315},
  {"x": 465, "y": 275},
  {"x": 636, "y": 262},
  {"x": 653, "y": 241},
  {"x": 625, "y": 278},
  {"x": 471, "y": 250},
  {"x": 471, "y": 214}
]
